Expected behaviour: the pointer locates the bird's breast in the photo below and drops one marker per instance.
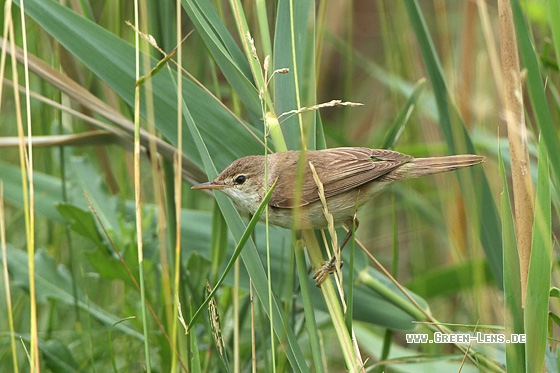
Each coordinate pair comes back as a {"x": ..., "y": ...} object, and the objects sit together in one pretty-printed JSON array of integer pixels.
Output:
[{"x": 342, "y": 207}]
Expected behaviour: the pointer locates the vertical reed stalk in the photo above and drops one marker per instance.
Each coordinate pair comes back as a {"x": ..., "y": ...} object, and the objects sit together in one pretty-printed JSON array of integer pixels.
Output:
[
  {"x": 137, "y": 192},
  {"x": 26, "y": 165},
  {"x": 178, "y": 191},
  {"x": 517, "y": 137}
]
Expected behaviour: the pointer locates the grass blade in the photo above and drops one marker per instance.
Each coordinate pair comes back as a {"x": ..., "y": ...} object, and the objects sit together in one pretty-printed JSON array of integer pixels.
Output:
[
  {"x": 538, "y": 282},
  {"x": 294, "y": 47},
  {"x": 226, "y": 53},
  {"x": 536, "y": 92},
  {"x": 459, "y": 140},
  {"x": 112, "y": 60},
  {"x": 249, "y": 255},
  {"x": 513, "y": 310},
  {"x": 244, "y": 238}
]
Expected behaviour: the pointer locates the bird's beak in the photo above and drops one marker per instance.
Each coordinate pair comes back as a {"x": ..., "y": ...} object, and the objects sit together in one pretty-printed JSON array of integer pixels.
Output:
[{"x": 210, "y": 185}]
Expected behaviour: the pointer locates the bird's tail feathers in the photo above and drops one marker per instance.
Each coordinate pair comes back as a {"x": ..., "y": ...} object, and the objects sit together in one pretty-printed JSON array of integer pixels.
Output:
[{"x": 433, "y": 165}]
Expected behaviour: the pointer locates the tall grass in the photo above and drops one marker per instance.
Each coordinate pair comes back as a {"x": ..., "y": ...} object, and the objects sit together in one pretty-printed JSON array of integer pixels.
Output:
[{"x": 113, "y": 264}]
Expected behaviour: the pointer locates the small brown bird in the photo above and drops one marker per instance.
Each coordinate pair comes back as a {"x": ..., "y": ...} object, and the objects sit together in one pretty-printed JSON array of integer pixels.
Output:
[{"x": 350, "y": 177}]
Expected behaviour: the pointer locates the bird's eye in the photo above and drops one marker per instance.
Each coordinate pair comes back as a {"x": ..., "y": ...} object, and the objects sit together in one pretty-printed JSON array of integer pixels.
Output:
[{"x": 240, "y": 179}]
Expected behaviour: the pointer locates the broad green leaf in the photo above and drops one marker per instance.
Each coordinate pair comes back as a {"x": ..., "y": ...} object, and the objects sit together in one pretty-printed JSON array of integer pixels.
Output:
[
  {"x": 88, "y": 180},
  {"x": 249, "y": 255},
  {"x": 102, "y": 256},
  {"x": 408, "y": 359},
  {"x": 553, "y": 11},
  {"x": 225, "y": 52},
  {"x": 239, "y": 247},
  {"x": 538, "y": 279},
  {"x": 195, "y": 238},
  {"x": 58, "y": 357},
  {"x": 48, "y": 190},
  {"x": 112, "y": 60},
  {"x": 513, "y": 308},
  {"x": 54, "y": 282},
  {"x": 450, "y": 280},
  {"x": 536, "y": 90},
  {"x": 81, "y": 222},
  {"x": 294, "y": 48},
  {"x": 308, "y": 309}
]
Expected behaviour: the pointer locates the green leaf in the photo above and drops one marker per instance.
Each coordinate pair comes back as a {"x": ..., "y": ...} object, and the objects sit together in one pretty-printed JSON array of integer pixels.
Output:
[
  {"x": 399, "y": 124},
  {"x": 553, "y": 11},
  {"x": 538, "y": 279},
  {"x": 451, "y": 280},
  {"x": 89, "y": 181},
  {"x": 239, "y": 247},
  {"x": 407, "y": 358},
  {"x": 458, "y": 140},
  {"x": 81, "y": 222},
  {"x": 58, "y": 357},
  {"x": 294, "y": 48},
  {"x": 48, "y": 190},
  {"x": 513, "y": 308},
  {"x": 397, "y": 312},
  {"x": 249, "y": 255},
  {"x": 54, "y": 282},
  {"x": 195, "y": 236},
  {"x": 536, "y": 89},
  {"x": 101, "y": 258},
  {"x": 112, "y": 60},
  {"x": 225, "y": 52}
]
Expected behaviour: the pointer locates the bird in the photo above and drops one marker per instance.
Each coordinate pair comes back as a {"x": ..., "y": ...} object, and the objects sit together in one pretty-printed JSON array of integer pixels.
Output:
[{"x": 350, "y": 176}]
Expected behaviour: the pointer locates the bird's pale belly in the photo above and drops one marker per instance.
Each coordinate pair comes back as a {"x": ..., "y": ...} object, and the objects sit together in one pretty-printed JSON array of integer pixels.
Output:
[{"x": 312, "y": 216}]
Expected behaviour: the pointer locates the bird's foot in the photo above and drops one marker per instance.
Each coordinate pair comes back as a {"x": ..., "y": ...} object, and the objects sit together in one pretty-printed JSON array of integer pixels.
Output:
[{"x": 328, "y": 267}]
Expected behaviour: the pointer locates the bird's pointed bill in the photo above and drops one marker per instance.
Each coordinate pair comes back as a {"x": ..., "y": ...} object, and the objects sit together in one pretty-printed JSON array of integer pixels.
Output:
[{"x": 210, "y": 185}]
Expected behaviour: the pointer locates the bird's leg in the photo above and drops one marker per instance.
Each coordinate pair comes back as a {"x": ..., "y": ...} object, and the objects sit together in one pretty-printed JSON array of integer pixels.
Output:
[{"x": 329, "y": 266}]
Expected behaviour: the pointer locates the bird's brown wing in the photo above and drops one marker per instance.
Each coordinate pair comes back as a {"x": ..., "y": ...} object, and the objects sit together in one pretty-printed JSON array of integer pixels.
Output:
[{"x": 339, "y": 170}]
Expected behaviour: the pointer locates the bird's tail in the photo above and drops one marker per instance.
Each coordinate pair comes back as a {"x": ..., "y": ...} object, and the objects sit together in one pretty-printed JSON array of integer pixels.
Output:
[{"x": 433, "y": 165}]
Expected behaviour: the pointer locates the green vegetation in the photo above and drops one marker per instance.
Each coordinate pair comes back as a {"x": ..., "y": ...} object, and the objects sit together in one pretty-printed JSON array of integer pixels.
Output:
[{"x": 108, "y": 258}]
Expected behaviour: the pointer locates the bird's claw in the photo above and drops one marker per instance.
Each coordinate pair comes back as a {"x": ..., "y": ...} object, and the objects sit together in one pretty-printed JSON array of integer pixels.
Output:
[{"x": 326, "y": 269}]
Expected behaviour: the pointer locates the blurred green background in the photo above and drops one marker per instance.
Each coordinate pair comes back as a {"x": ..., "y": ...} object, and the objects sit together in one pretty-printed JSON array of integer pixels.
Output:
[{"x": 429, "y": 77}]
